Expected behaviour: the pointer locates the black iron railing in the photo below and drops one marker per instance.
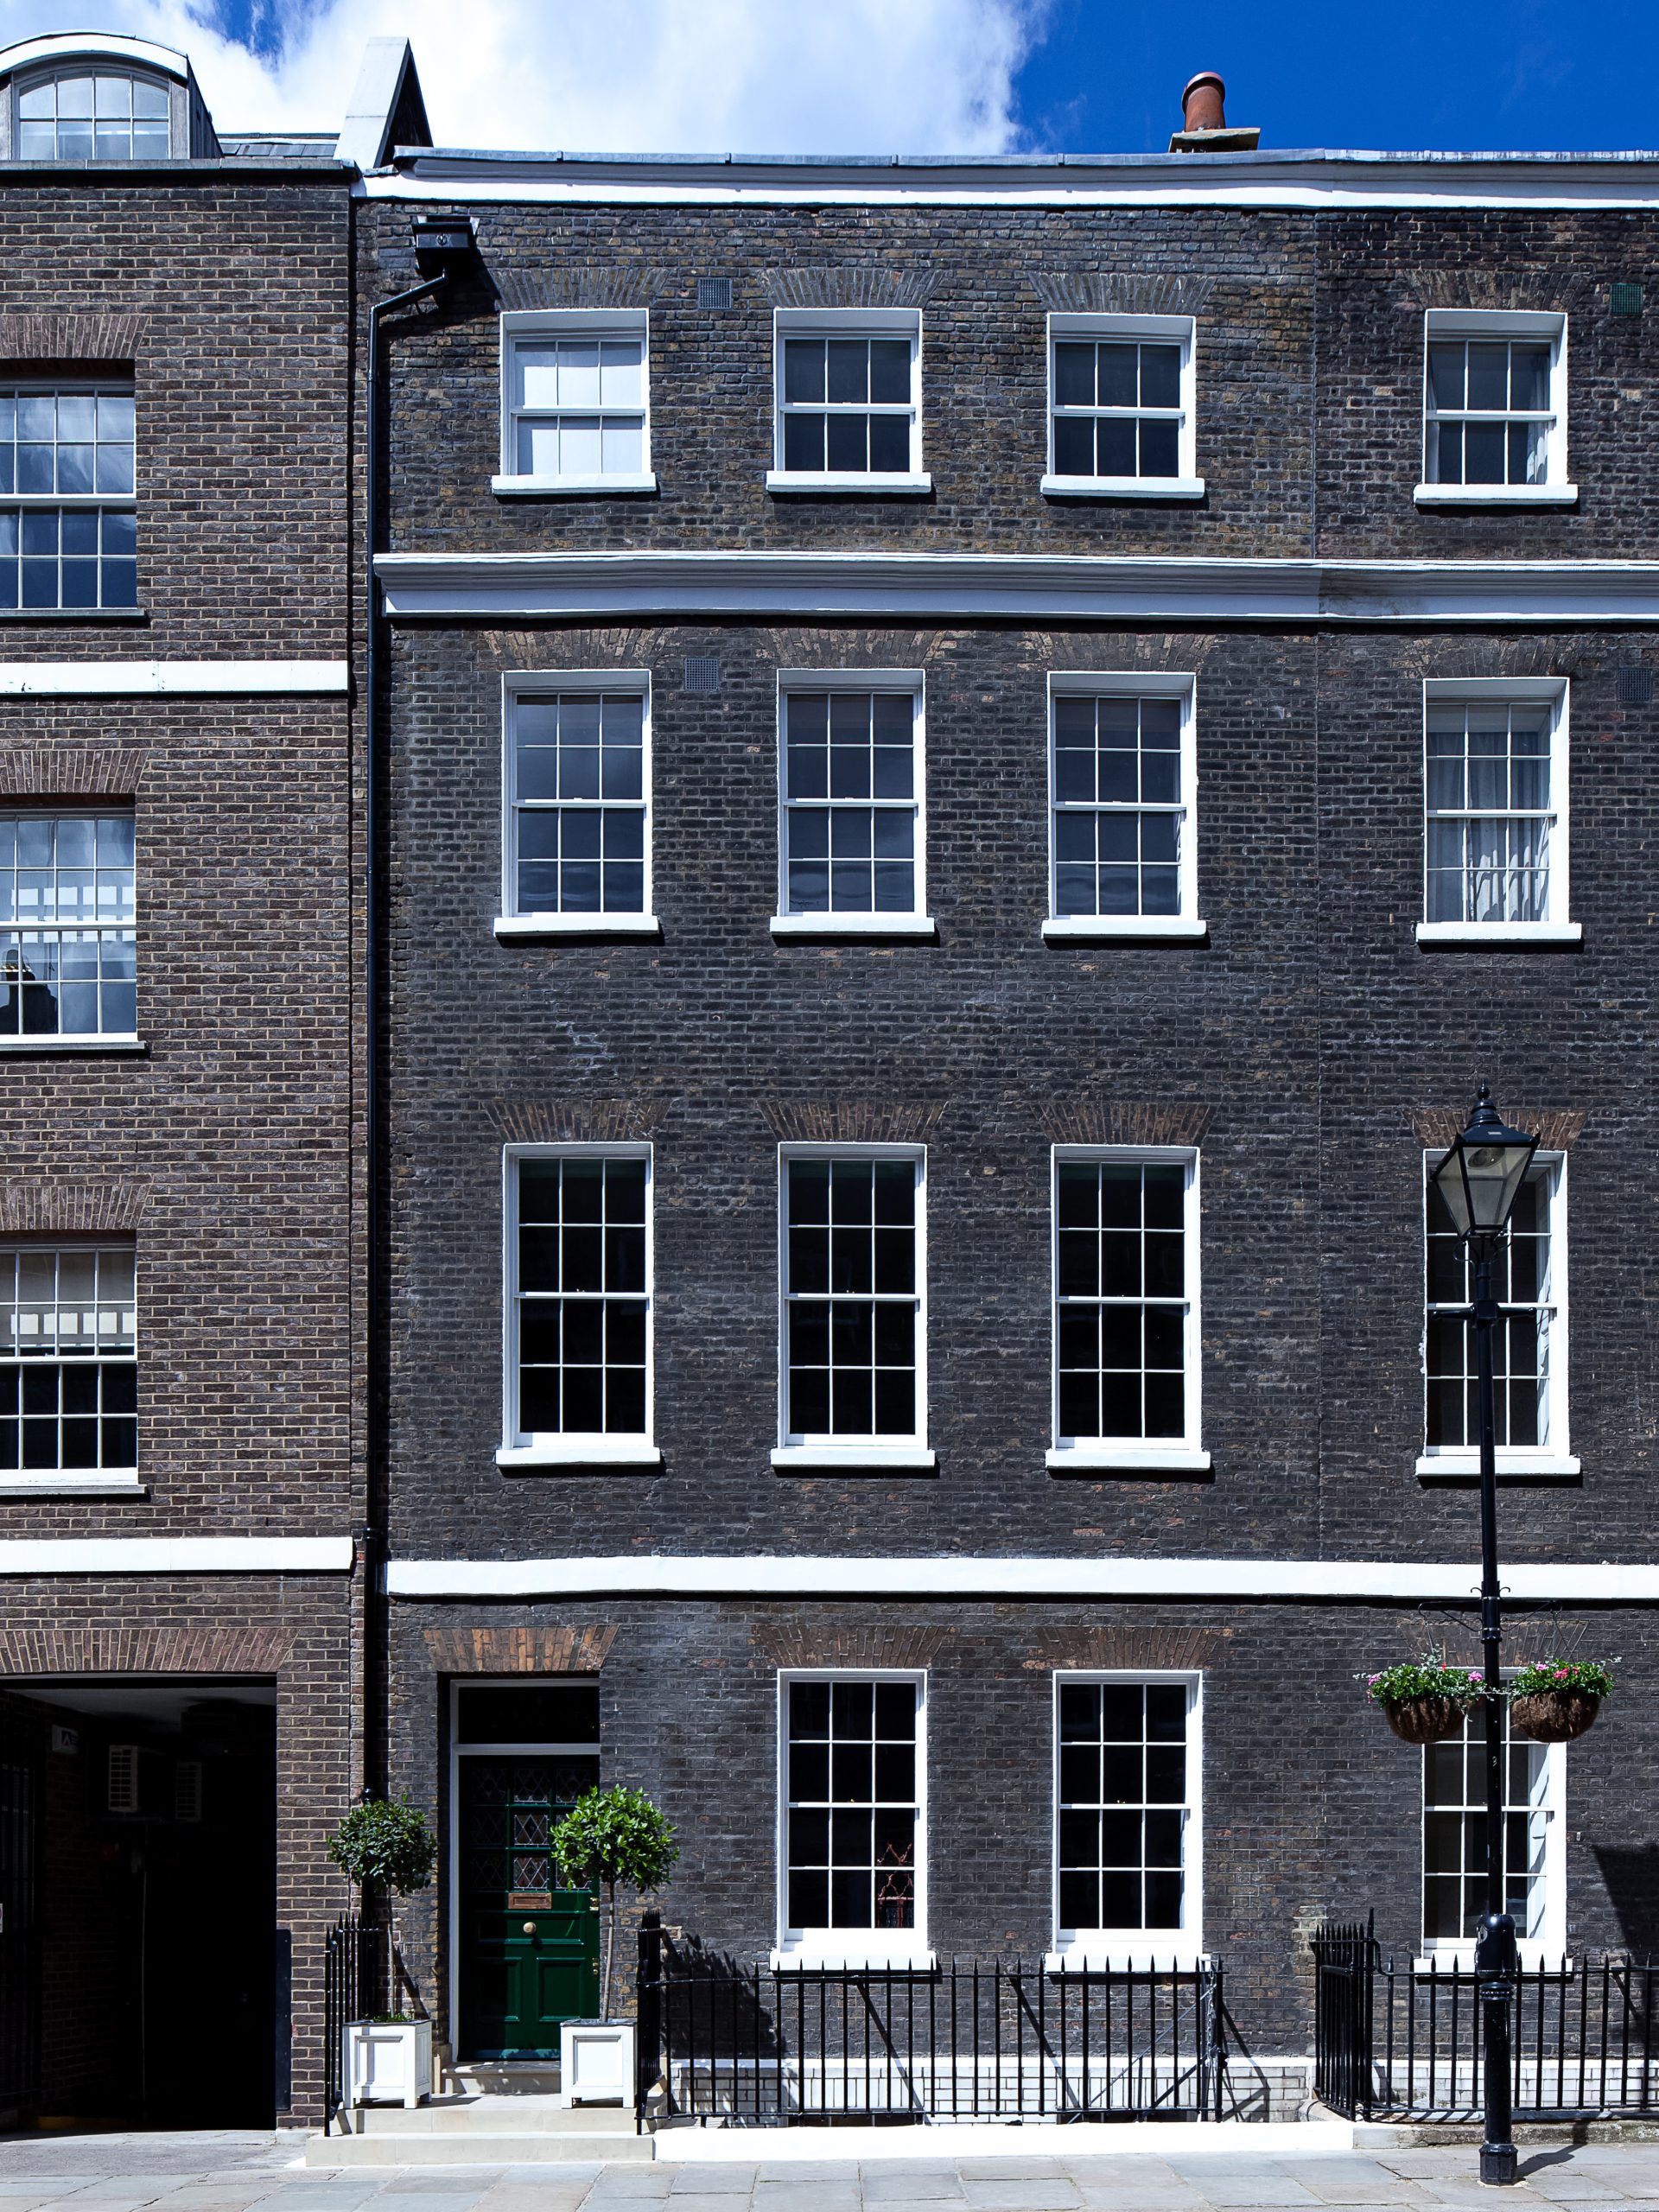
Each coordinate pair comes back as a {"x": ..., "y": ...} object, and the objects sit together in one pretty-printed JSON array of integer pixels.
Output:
[
  {"x": 1405, "y": 2042},
  {"x": 757, "y": 2047},
  {"x": 355, "y": 1987}
]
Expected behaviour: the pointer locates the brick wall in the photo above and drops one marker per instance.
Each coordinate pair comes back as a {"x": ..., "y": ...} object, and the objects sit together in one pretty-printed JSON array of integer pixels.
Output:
[
  {"x": 227, "y": 1149},
  {"x": 1310, "y": 1806}
]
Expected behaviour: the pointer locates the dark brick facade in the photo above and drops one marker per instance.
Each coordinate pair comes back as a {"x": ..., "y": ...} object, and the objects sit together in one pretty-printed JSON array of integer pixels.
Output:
[
  {"x": 224, "y": 1148},
  {"x": 1308, "y": 1044}
]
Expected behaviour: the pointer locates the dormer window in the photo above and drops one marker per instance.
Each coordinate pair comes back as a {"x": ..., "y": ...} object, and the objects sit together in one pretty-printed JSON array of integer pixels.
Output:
[{"x": 78, "y": 116}]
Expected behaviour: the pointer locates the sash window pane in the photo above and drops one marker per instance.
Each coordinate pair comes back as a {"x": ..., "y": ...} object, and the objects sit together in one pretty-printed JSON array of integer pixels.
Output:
[
  {"x": 582, "y": 1297},
  {"x": 68, "y": 1373},
  {"x": 853, "y": 1812},
  {"x": 67, "y": 941}
]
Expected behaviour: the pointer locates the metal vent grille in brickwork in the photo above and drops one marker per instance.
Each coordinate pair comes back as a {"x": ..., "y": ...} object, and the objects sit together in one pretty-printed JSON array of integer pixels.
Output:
[
  {"x": 1626, "y": 299},
  {"x": 701, "y": 675},
  {"x": 1635, "y": 687},
  {"x": 716, "y": 291}
]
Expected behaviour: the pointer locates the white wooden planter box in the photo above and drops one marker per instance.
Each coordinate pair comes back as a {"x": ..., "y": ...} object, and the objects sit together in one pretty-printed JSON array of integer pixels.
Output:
[
  {"x": 596, "y": 2062},
  {"x": 388, "y": 2061}
]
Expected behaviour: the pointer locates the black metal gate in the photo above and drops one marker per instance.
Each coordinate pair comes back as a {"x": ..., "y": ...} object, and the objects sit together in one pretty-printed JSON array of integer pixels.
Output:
[{"x": 1405, "y": 2042}]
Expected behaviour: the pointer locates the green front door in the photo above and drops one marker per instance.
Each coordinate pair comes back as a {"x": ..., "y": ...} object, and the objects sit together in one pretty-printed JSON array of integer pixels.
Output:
[{"x": 529, "y": 1950}]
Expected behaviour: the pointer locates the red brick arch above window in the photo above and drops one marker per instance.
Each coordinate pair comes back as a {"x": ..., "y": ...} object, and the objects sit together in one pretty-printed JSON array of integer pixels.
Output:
[
  {"x": 68, "y": 340},
  {"x": 520, "y": 1651},
  {"x": 899, "y": 1646},
  {"x": 38, "y": 772},
  {"x": 71, "y": 1209},
  {"x": 143, "y": 1651},
  {"x": 1558, "y": 1129}
]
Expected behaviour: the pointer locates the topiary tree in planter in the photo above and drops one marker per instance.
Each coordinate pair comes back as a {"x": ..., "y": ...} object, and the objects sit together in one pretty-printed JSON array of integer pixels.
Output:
[
  {"x": 385, "y": 1844},
  {"x": 615, "y": 1836}
]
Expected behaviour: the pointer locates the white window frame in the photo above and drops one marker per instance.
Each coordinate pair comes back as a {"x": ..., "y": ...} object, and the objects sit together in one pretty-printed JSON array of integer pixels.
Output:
[
  {"x": 1187, "y": 1456},
  {"x": 1166, "y": 329},
  {"x": 78, "y": 1482},
  {"x": 918, "y": 923},
  {"x": 899, "y": 1453},
  {"x": 546, "y": 683},
  {"x": 523, "y": 323},
  {"x": 1493, "y": 324},
  {"x": 571, "y": 1449},
  {"x": 805, "y": 1949},
  {"x": 1097, "y": 1950},
  {"x": 1058, "y": 929},
  {"x": 1548, "y": 1949},
  {"x": 1556, "y": 1458},
  {"x": 1554, "y": 692},
  {"x": 847, "y": 322},
  {"x": 75, "y": 1041}
]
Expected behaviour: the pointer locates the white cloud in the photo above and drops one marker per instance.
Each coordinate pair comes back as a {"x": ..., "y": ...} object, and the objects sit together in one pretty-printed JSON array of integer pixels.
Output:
[{"x": 707, "y": 76}]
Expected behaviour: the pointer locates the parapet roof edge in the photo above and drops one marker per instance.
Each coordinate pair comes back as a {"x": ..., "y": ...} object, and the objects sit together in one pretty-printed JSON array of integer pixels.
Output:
[{"x": 1262, "y": 163}]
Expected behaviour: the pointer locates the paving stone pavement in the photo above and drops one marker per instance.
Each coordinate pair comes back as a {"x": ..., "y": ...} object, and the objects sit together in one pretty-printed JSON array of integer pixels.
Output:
[{"x": 218, "y": 2171}]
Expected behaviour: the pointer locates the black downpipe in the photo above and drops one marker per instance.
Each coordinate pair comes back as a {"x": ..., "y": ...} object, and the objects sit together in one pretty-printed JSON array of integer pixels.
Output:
[{"x": 377, "y": 1776}]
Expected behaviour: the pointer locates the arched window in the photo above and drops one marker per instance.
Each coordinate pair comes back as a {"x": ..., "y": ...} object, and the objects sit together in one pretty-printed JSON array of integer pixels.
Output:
[{"x": 77, "y": 115}]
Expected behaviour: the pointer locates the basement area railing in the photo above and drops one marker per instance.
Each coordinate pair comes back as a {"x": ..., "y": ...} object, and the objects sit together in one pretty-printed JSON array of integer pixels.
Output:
[
  {"x": 1405, "y": 2042},
  {"x": 753, "y": 2046}
]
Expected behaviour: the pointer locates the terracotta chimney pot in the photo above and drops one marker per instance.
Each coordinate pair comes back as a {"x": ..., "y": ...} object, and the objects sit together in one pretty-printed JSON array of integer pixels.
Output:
[
  {"x": 1201, "y": 103},
  {"x": 1204, "y": 128}
]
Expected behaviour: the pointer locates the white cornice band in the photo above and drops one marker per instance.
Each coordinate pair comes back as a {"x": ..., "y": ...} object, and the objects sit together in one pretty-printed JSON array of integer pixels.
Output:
[
  {"x": 1036, "y": 588},
  {"x": 1319, "y": 181},
  {"x": 43, "y": 1555},
  {"x": 1320, "y": 1581},
  {"x": 69, "y": 679}
]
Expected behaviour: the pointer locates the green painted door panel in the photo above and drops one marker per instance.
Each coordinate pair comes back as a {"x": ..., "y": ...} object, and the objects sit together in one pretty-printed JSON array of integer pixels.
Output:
[{"x": 528, "y": 1956}]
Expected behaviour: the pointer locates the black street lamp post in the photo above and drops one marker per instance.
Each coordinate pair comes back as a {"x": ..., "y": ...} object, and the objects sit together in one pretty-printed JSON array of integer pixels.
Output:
[{"x": 1480, "y": 1179}]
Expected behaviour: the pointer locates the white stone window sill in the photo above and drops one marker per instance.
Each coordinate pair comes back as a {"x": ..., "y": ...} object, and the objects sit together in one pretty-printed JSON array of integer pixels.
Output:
[
  {"x": 1532, "y": 1955},
  {"x": 123, "y": 1040},
  {"x": 1107, "y": 1957},
  {"x": 1148, "y": 1459},
  {"x": 1496, "y": 495},
  {"x": 541, "y": 488},
  {"x": 581, "y": 1451},
  {"x": 109, "y": 1483},
  {"x": 912, "y": 925},
  {"x": 901, "y": 1458},
  {"x": 786, "y": 479},
  {"x": 1123, "y": 487},
  {"x": 1562, "y": 1465},
  {"x": 508, "y": 927},
  {"x": 1492, "y": 934},
  {"x": 849, "y": 1958},
  {"x": 1107, "y": 929}
]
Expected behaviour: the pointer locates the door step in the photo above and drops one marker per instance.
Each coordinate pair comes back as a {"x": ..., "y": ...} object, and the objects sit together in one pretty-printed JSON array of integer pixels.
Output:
[
  {"x": 482, "y": 2077},
  {"x": 474, "y": 2115},
  {"x": 501, "y": 2129}
]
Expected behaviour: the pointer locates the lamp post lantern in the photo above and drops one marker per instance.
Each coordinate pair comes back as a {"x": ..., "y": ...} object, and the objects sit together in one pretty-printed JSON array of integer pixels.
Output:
[{"x": 1480, "y": 1179}]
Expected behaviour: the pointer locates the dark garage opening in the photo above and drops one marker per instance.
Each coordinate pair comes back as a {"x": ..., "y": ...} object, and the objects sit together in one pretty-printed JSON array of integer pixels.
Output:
[{"x": 138, "y": 1950}]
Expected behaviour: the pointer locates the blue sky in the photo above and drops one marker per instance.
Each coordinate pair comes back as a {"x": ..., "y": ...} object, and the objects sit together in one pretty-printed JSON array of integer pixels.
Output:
[
  {"x": 1463, "y": 75},
  {"x": 928, "y": 76}
]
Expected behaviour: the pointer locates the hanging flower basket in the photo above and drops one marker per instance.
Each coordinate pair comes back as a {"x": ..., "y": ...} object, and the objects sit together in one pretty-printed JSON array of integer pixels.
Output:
[
  {"x": 1426, "y": 1719},
  {"x": 1424, "y": 1701},
  {"x": 1556, "y": 1699}
]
